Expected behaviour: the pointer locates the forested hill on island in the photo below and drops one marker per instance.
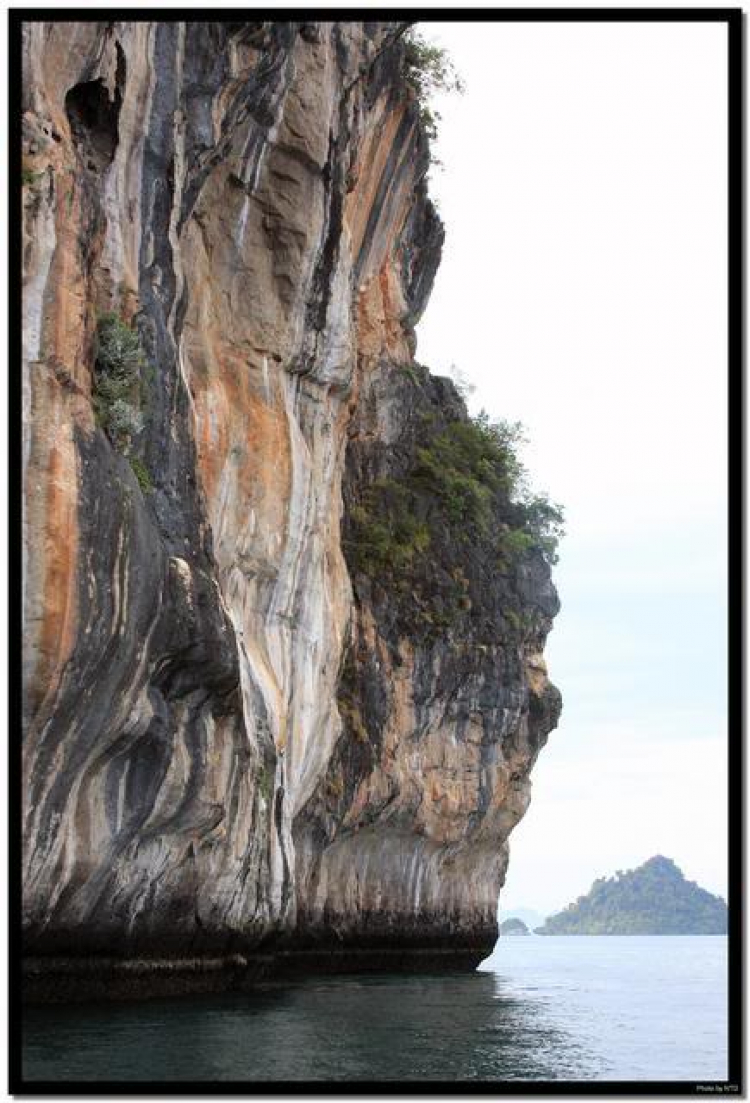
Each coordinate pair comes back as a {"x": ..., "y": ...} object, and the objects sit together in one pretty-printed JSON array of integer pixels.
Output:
[{"x": 655, "y": 898}]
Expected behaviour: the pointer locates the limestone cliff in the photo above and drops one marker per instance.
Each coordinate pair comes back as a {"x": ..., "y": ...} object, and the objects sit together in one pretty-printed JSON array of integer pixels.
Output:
[{"x": 235, "y": 737}]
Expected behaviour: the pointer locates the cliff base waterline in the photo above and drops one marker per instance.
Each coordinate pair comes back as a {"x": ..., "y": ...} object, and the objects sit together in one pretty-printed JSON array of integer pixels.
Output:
[{"x": 62, "y": 980}]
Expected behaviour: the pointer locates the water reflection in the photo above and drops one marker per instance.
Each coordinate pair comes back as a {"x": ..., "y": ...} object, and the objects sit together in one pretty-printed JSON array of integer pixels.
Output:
[{"x": 449, "y": 1027}]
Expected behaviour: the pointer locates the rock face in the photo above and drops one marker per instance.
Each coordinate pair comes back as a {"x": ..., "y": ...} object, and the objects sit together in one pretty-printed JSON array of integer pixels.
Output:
[{"x": 234, "y": 736}]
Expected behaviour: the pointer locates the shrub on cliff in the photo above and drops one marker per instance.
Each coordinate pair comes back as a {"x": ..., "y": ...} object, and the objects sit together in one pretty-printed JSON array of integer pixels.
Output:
[
  {"x": 428, "y": 69},
  {"x": 142, "y": 474},
  {"x": 120, "y": 363},
  {"x": 388, "y": 535},
  {"x": 119, "y": 356},
  {"x": 465, "y": 489},
  {"x": 464, "y": 466},
  {"x": 29, "y": 177},
  {"x": 543, "y": 521}
]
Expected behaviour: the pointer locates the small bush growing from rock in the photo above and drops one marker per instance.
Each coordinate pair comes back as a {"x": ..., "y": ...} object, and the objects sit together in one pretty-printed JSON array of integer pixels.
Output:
[
  {"x": 265, "y": 782},
  {"x": 119, "y": 355},
  {"x": 543, "y": 520},
  {"x": 428, "y": 69},
  {"x": 117, "y": 381},
  {"x": 142, "y": 474},
  {"x": 123, "y": 420}
]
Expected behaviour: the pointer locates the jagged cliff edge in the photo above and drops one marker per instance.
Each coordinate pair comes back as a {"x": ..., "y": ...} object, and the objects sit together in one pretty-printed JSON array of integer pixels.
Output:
[{"x": 238, "y": 743}]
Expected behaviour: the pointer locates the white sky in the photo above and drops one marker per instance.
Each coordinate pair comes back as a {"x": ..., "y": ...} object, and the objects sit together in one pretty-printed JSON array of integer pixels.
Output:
[{"x": 583, "y": 292}]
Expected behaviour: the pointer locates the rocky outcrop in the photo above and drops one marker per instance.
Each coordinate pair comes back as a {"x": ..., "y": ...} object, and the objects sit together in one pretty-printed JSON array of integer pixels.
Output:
[
  {"x": 235, "y": 737},
  {"x": 513, "y": 928}
]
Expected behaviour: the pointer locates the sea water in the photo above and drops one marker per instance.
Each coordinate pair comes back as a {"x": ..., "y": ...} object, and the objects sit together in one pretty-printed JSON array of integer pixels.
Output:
[{"x": 539, "y": 1009}]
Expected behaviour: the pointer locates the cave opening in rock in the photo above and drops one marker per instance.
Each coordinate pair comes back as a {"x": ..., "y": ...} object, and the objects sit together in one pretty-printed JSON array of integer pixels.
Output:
[{"x": 93, "y": 113}]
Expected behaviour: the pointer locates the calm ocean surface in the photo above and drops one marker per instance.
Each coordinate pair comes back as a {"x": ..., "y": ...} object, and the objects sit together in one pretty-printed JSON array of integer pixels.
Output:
[{"x": 553, "y": 1008}]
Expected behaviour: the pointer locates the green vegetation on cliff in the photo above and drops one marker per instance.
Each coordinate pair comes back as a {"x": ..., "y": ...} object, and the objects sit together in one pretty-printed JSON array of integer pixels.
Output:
[
  {"x": 118, "y": 389},
  {"x": 655, "y": 898},
  {"x": 444, "y": 522},
  {"x": 451, "y": 488},
  {"x": 428, "y": 69},
  {"x": 117, "y": 380}
]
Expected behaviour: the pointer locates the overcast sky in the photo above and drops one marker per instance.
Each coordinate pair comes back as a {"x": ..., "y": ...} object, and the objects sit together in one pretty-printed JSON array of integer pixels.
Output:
[{"x": 583, "y": 292}]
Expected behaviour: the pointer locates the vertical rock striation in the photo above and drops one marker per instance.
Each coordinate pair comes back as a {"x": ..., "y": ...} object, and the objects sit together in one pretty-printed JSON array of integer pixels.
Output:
[{"x": 233, "y": 737}]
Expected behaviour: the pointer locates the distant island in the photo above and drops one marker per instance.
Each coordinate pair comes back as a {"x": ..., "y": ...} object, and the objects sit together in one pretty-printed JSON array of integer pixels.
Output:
[
  {"x": 655, "y": 898},
  {"x": 513, "y": 926},
  {"x": 532, "y": 919}
]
